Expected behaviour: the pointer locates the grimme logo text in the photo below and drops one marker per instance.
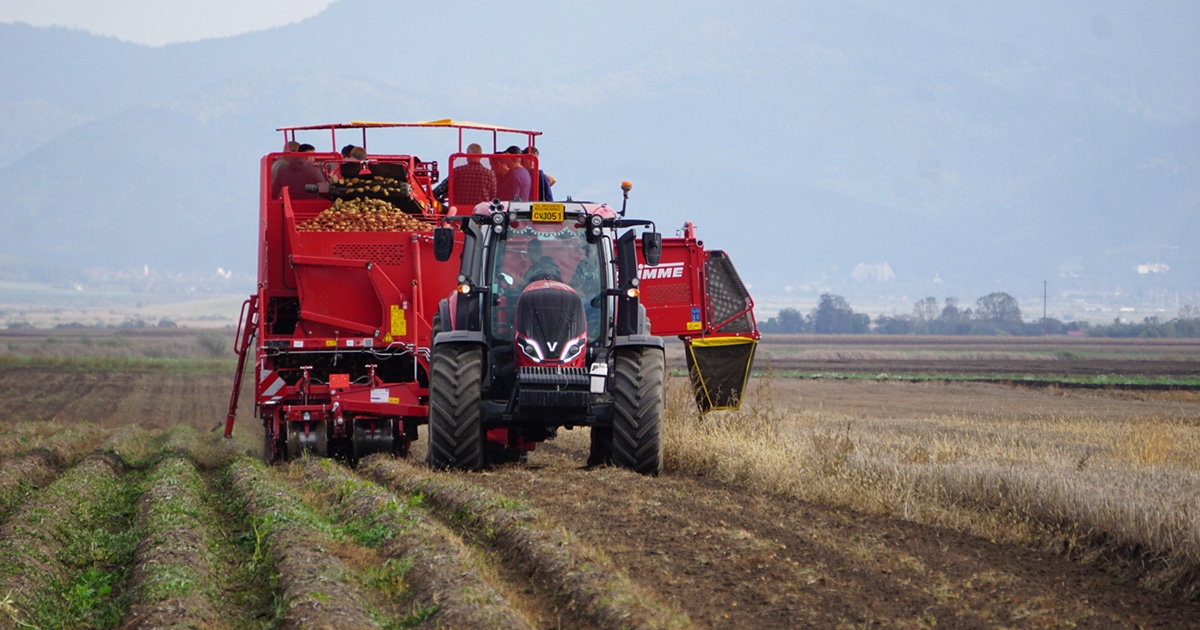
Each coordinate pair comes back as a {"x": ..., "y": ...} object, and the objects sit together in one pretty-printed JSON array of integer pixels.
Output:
[{"x": 669, "y": 270}]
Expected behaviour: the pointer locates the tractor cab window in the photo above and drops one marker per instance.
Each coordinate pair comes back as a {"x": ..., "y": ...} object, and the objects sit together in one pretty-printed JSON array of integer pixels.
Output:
[{"x": 532, "y": 252}]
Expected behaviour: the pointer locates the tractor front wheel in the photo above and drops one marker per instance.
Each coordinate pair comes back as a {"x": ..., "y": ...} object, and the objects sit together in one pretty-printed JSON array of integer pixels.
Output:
[
  {"x": 638, "y": 394},
  {"x": 456, "y": 436}
]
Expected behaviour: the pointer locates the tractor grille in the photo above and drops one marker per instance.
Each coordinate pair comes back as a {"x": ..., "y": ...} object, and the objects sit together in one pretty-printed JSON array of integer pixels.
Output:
[
  {"x": 552, "y": 377},
  {"x": 571, "y": 399},
  {"x": 381, "y": 253}
]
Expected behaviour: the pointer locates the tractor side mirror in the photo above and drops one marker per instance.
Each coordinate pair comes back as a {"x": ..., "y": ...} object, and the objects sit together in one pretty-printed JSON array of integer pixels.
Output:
[
  {"x": 652, "y": 248},
  {"x": 443, "y": 243}
]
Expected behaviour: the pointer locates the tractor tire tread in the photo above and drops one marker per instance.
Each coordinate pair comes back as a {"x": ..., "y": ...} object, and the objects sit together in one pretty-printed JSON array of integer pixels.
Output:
[
  {"x": 456, "y": 438},
  {"x": 638, "y": 396}
]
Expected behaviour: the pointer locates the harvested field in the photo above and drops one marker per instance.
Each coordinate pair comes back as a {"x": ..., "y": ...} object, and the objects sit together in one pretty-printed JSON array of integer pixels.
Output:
[
  {"x": 1047, "y": 357},
  {"x": 823, "y": 503}
]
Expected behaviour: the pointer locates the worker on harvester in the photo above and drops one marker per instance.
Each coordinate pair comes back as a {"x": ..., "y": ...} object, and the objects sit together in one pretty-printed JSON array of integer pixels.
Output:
[
  {"x": 515, "y": 181},
  {"x": 296, "y": 173},
  {"x": 473, "y": 182}
]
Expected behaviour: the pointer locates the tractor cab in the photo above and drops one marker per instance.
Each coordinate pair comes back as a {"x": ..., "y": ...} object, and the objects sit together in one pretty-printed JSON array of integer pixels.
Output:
[
  {"x": 548, "y": 295},
  {"x": 548, "y": 254},
  {"x": 540, "y": 283}
]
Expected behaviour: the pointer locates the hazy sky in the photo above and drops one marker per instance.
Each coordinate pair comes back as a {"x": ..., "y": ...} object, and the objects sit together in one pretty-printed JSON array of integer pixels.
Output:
[{"x": 159, "y": 22}]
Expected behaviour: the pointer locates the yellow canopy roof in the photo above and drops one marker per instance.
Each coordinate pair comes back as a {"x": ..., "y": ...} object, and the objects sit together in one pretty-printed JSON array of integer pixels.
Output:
[{"x": 445, "y": 122}]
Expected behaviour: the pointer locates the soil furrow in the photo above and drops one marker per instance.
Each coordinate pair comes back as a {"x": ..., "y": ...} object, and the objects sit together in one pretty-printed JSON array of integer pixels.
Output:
[
  {"x": 733, "y": 558},
  {"x": 312, "y": 583},
  {"x": 20, "y": 475},
  {"x": 67, "y": 440},
  {"x": 443, "y": 575},
  {"x": 581, "y": 579},
  {"x": 172, "y": 577},
  {"x": 155, "y": 400}
]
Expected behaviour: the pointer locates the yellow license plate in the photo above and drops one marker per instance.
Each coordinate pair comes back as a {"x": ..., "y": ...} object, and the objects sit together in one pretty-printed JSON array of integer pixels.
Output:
[{"x": 548, "y": 212}]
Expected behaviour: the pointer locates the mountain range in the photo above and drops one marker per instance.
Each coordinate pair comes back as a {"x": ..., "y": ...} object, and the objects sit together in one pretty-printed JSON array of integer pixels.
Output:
[{"x": 968, "y": 148}]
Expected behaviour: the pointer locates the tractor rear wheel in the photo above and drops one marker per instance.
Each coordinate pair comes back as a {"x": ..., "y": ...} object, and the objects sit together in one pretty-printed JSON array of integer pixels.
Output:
[
  {"x": 638, "y": 396},
  {"x": 456, "y": 436}
]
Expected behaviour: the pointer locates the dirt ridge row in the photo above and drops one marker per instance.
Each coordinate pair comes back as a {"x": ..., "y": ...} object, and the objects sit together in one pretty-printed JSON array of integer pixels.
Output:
[
  {"x": 62, "y": 553},
  {"x": 580, "y": 578},
  {"x": 441, "y": 573},
  {"x": 173, "y": 582},
  {"x": 312, "y": 591}
]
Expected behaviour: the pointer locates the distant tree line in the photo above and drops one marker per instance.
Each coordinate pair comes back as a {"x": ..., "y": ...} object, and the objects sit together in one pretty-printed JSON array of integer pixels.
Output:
[{"x": 994, "y": 314}]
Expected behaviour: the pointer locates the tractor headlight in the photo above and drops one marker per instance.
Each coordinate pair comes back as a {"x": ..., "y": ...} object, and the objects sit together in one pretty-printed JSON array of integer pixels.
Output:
[
  {"x": 531, "y": 349},
  {"x": 573, "y": 349}
]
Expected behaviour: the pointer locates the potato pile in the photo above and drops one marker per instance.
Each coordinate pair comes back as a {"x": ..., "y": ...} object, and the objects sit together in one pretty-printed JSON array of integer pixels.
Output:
[
  {"x": 373, "y": 186},
  {"x": 363, "y": 215}
]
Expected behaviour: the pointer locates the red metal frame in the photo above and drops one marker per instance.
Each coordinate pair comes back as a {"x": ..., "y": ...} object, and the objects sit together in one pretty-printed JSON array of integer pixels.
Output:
[
  {"x": 376, "y": 292},
  {"x": 674, "y": 292}
]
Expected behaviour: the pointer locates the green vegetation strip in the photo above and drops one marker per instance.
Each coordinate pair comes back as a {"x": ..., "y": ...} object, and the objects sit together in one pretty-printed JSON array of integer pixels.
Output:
[
  {"x": 584, "y": 582},
  {"x": 65, "y": 441},
  {"x": 19, "y": 476},
  {"x": 1098, "y": 381},
  {"x": 427, "y": 556},
  {"x": 312, "y": 581},
  {"x": 173, "y": 581},
  {"x": 63, "y": 556},
  {"x": 109, "y": 364}
]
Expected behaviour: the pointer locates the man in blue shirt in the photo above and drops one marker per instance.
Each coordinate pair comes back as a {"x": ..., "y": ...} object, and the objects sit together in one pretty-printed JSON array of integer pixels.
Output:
[{"x": 544, "y": 181}]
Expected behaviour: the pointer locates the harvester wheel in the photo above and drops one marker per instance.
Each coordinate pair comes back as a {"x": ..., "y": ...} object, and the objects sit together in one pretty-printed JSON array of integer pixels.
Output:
[
  {"x": 367, "y": 441},
  {"x": 638, "y": 394},
  {"x": 299, "y": 443},
  {"x": 456, "y": 436}
]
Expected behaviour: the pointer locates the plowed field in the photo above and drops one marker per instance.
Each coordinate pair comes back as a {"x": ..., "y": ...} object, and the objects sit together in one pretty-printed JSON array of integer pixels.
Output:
[{"x": 120, "y": 508}]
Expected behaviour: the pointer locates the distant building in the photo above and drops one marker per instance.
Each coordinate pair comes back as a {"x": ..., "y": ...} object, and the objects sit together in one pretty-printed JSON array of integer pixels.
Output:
[{"x": 876, "y": 273}]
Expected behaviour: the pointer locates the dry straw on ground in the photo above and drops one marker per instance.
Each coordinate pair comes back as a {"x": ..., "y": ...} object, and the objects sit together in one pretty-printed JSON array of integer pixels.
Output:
[{"x": 1123, "y": 492}]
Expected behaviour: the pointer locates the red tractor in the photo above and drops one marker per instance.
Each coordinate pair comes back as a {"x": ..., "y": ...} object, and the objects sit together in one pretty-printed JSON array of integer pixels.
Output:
[{"x": 365, "y": 330}]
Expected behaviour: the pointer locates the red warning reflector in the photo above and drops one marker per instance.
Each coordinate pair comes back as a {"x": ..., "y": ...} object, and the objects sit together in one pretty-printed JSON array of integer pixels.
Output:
[{"x": 339, "y": 381}]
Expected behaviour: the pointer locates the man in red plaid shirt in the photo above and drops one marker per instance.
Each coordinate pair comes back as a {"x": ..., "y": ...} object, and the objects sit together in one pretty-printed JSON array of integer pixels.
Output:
[{"x": 472, "y": 182}]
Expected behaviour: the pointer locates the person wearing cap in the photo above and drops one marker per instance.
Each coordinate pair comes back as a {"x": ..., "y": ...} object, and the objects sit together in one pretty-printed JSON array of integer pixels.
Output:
[{"x": 517, "y": 182}]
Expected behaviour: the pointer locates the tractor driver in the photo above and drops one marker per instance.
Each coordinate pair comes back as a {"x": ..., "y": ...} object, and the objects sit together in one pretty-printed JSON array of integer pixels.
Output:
[{"x": 542, "y": 267}]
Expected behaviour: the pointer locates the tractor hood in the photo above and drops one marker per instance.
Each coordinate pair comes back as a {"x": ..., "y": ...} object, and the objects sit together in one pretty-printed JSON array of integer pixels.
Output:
[{"x": 551, "y": 324}]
